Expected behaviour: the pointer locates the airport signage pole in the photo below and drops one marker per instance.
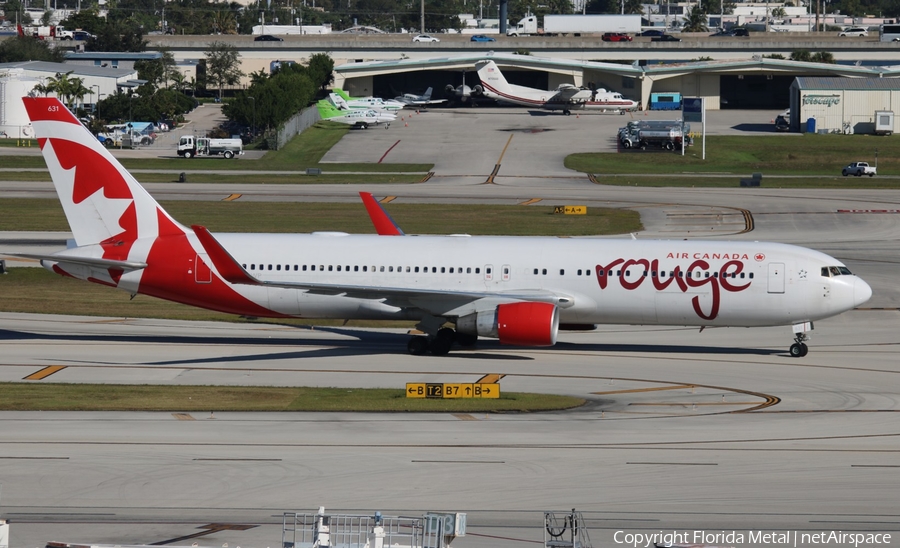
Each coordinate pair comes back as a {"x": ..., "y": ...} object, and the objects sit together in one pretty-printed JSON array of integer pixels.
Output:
[{"x": 693, "y": 109}]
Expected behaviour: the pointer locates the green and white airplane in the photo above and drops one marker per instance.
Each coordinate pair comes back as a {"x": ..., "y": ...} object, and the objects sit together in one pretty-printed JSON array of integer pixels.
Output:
[
  {"x": 376, "y": 103},
  {"x": 357, "y": 117}
]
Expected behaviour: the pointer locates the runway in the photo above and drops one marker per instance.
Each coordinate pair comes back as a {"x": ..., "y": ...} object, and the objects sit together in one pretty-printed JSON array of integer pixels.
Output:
[
  {"x": 688, "y": 431},
  {"x": 685, "y": 430}
]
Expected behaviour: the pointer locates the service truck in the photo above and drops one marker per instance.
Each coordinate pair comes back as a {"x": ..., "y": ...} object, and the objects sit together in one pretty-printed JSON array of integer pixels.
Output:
[
  {"x": 576, "y": 24},
  {"x": 189, "y": 146}
]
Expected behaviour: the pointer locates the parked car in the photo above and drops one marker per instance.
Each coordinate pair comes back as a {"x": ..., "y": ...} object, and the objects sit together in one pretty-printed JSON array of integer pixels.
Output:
[
  {"x": 859, "y": 169},
  {"x": 425, "y": 38},
  {"x": 855, "y": 31},
  {"x": 268, "y": 38},
  {"x": 82, "y": 35},
  {"x": 481, "y": 38},
  {"x": 737, "y": 31},
  {"x": 616, "y": 37},
  {"x": 665, "y": 38},
  {"x": 782, "y": 123},
  {"x": 653, "y": 32}
]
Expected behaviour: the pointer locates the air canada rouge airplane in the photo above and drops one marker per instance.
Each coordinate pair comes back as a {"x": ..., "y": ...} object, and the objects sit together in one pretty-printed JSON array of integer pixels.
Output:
[{"x": 516, "y": 289}]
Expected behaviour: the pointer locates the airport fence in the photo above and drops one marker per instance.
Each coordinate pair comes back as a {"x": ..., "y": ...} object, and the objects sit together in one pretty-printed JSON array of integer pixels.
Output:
[{"x": 293, "y": 127}]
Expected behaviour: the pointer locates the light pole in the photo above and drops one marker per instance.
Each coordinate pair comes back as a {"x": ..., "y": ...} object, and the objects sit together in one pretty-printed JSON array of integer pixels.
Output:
[
  {"x": 253, "y": 128},
  {"x": 96, "y": 110}
]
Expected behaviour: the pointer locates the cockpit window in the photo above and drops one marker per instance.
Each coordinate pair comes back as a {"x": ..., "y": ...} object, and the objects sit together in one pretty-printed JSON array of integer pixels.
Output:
[{"x": 829, "y": 271}]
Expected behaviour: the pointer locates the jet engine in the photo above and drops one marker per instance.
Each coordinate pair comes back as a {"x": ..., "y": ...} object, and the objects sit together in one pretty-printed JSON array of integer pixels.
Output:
[{"x": 521, "y": 324}]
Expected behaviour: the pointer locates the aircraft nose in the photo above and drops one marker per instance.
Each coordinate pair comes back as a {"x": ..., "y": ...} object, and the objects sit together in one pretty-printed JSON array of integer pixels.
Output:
[{"x": 861, "y": 292}]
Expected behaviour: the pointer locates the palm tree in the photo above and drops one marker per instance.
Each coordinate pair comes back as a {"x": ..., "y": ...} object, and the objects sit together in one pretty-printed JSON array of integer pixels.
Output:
[
  {"x": 42, "y": 88},
  {"x": 67, "y": 89},
  {"x": 696, "y": 21}
]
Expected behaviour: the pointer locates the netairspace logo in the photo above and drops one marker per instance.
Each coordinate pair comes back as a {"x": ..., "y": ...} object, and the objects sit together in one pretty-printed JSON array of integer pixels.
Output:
[{"x": 765, "y": 538}]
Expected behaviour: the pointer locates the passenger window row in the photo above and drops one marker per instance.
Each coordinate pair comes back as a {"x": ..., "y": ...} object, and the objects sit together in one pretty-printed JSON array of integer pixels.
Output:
[
  {"x": 364, "y": 268},
  {"x": 696, "y": 274}
]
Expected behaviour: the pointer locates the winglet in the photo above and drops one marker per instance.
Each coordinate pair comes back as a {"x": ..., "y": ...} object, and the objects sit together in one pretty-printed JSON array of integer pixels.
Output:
[
  {"x": 228, "y": 268},
  {"x": 384, "y": 224}
]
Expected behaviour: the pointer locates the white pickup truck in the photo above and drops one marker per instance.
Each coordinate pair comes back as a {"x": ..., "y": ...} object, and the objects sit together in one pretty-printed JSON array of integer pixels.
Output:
[{"x": 859, "y": 169}]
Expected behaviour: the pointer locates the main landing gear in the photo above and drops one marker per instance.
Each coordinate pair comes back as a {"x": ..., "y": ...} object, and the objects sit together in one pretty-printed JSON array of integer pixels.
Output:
[{"x": 439, "y": 344}]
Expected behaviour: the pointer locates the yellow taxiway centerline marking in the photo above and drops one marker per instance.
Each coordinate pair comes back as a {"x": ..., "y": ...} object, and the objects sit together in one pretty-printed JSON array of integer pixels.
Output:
[
  {"x": 387, "y": 199},
  {"x": 531, "y": 201},
  {"x": 44, "y": 373},
  {"x": 492, "y": 378},
  {"x": 653, "y": 389},
  {"x": 700, "y": 403},
  {"x": 232, "y": 197}
]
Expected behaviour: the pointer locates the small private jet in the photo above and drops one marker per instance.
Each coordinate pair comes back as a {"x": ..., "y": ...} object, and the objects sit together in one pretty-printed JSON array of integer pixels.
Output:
[
  {"x": 423, "y": 100},
  {"x": 566, "y": 97},
  {"x": 356, "y": 117}
]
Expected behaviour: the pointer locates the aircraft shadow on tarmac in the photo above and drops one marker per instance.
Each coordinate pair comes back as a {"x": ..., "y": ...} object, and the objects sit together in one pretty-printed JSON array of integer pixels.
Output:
[
  {"x": 755, "y": 128},
  {"x": 367, "y": 343}
]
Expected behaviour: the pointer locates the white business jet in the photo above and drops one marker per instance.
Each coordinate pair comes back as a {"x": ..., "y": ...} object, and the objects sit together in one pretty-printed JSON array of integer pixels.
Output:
[
  {"x": 515, "y": 289},
  {"x": 423, "y": 100}
]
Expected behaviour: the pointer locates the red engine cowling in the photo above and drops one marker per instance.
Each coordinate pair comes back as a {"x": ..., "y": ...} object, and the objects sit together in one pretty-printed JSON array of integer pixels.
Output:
[{"x": 521, "y": 324}]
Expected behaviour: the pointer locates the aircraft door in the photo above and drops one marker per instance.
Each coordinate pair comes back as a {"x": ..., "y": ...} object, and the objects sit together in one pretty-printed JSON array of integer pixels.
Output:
[
  {"x": 776, "y": 277},
  {"x": 505, "y": 273},
  {"x": 488, "y": 272},
  {"x": 202, "y": 273}
]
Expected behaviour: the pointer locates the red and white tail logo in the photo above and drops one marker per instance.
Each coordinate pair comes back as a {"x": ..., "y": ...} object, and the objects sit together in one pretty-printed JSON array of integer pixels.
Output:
[{"x": 103, "y": 203}]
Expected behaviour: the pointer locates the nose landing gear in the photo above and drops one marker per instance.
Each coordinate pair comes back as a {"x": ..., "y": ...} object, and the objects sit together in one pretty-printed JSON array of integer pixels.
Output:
[{"x": 799, "y": 348}]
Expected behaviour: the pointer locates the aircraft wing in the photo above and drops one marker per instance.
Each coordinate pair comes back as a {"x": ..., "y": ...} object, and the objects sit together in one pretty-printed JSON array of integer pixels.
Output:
[
  {"x": 83, "y": 261},
  {"x": 439, "y": 302},
  {"x": 571, "y": 95}
]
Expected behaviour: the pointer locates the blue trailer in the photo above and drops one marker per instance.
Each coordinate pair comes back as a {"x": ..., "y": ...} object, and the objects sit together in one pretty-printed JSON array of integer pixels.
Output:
[{"x": 665, "y": 101}]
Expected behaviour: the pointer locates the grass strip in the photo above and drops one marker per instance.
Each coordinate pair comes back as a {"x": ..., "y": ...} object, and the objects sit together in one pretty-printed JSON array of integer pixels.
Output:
[
  {"x": 807, "y": 154},
  {"x": 20, "y": 396},
  {"x": 40, "y": 214},
  {"x": 733, "y": 181}
]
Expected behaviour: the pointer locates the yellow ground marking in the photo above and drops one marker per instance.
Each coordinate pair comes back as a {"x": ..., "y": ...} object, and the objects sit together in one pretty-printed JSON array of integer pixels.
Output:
[
  {"x": 508, "y": 141},
  {"x": 699, "y": 403},
  {"x": 232, "y": 197},
  {"x": 44, "y": 373},
  {"x": 490, "y": 179},
  {"x": 464, "y": 417},
  {"x": 492, "y": 378},
  {"x": 387, "y": 199},
  {"x": 531, "y": 201},
  {"x": 651, "y": 389},
  {"x": 183, "y": 416}
]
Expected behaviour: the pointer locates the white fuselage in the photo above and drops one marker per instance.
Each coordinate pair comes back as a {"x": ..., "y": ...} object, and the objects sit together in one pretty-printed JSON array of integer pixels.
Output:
[{"x": 605, "y": 281}]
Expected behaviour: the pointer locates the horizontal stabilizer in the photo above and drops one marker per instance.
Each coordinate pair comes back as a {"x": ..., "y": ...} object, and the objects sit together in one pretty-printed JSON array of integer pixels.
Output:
[{"x": 84, "y": 261}]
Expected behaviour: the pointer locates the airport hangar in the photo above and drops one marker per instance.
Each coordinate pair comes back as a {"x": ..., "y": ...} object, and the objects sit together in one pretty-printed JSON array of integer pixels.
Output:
[{"x": 757, "y": 83}]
